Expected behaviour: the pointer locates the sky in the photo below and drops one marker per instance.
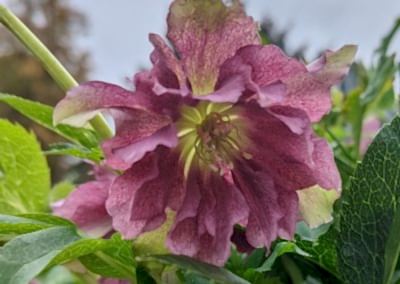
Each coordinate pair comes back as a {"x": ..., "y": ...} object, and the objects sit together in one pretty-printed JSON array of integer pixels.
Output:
[{"x": 117, "y": 36}]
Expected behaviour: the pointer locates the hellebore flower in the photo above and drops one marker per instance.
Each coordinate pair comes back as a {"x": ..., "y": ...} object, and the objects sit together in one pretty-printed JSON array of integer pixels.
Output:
[
  {"x": 219, "y": 131},
  {"x": 86, "y": 204}
]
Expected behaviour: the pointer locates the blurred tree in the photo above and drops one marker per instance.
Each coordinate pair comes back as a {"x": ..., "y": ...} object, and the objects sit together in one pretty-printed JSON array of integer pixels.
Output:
[{"x": 57, "y": 25}]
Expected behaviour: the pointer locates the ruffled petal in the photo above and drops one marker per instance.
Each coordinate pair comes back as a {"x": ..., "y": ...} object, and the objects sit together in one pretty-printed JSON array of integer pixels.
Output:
[
  {"x": 167, "y": 72},
  {"x": 205, "y": 34},
  {"x": 124, "y": 150},
  {"x": 282, "y": 141},
  {"x": 85, "y": 101},
  {"x": 280, "y": 80},
  {"x": 325, "y": 169},
  {"x": 262, "y": 199},
  {"x": 138, "y": 129},
  {"x": 86, "y": 208},
  {"x": 283, "y": 153},
  {"x": 204, "y": 224},
  {"x": 138, "y": 198}
]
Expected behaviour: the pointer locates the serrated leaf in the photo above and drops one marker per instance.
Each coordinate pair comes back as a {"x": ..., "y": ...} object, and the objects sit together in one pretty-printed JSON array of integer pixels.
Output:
[
  {"x": 202, "y": 269},
  {"x": 24, "y": 257},
  {"x": 43, "y": 115},
  {"x": 368, "y": 244},
  {"x": 93, "y": 154},
  {"x": 24, "y": 174}
]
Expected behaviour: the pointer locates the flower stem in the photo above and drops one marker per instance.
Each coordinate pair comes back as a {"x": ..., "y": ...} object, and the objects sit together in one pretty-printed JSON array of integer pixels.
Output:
[
  {"x": 292, "y": 269},
  {"x": 55, "y": 69}
]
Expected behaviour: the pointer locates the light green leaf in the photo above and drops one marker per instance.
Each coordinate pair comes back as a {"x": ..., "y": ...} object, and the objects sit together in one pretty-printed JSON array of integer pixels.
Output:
[
  {"x": 43, "y": 115},
  {"x": 16, "y": 225},
  {"x": 368, "y": 242},
  {"x": 114, "y": 259},
  {"x": 24, "y": 257},
  {"x": 61, "y": 190},
  {"x": 24, "y": 174},
  {"x": 205, "y": 270},
  {"x": 61, "y": 275},
  {"x": 280, "y": 248}
]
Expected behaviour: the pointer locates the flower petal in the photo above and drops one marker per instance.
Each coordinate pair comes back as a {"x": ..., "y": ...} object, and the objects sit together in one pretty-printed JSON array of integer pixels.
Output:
[
  {"x": 283, "y": 143},
  {"x": 261, "y": 196},
  {"x": 83, "y": 102},
  {"x": 138, "y": 198},
  {"x": 316, "y": 205},
  {"x": 325, "y": 170},
  {"x": 167, "y": 72},
  {"x": 124, "y": 150},
  {"x": 204, "y": 224},
  {"x": 205, "y": 34},
  {"x": 280, "y": 80},
  {"x": 86, "y": 207}
]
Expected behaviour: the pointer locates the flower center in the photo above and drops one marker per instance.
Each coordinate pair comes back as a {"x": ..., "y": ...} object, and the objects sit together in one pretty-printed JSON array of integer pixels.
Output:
[{"x": 209, "y": 136}]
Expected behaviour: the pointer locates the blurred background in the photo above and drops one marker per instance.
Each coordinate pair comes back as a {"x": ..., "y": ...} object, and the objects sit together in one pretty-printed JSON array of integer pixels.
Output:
[{"x": 99, "y": 40}]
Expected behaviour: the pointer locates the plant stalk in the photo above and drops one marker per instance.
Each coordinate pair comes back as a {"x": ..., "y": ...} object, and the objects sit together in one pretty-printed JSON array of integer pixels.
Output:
[{"x": 55, "y": 69}]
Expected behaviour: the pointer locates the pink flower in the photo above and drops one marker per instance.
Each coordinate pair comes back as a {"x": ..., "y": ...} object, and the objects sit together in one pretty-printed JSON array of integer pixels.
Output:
[
  {"x": 85, "y": 206},
  {"x": 219, "y": 130}
]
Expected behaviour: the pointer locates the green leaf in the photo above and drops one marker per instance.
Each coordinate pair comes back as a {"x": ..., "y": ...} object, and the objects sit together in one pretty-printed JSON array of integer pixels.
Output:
[
  {"x": 368, "y": 244},
  {"x": 115, "y": 260},
  {"x": 74, "y": 150},
  {"x": 24, "y": 174},
  {"x": 61, "y": 190},
  {"x": 320, "y": 246},
  {"x": 61, "y": 275},
  {"x": 43, "y": 115},
  {"x": 10, "y": 226},
  {"x": 47, "y": 218},
  {"x": 24, "y": 257},
  {"x": 202, "y": 269},
  {"x": 280, "y": 249},
  {"x": 142, "y": 276}
]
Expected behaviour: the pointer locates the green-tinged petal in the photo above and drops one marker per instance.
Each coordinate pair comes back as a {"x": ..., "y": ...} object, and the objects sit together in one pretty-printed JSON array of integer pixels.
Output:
[
  {"x": 205, "y": 34},
  {"x": 316, "y": 205}
]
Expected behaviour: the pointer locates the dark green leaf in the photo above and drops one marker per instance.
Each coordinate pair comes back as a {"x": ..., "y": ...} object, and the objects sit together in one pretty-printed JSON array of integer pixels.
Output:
[
  {"x": 322, "y": 249},
  {"x": 142, "y": 276},
  {"x": 368, "y": 245},
  {"x": 43, "y": 115}
]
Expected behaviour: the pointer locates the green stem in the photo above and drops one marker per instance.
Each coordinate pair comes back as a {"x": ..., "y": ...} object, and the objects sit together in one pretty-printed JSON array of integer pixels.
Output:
[
  {"x": 60, "y": 75},
  {"x": 292, "y": 269}
]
